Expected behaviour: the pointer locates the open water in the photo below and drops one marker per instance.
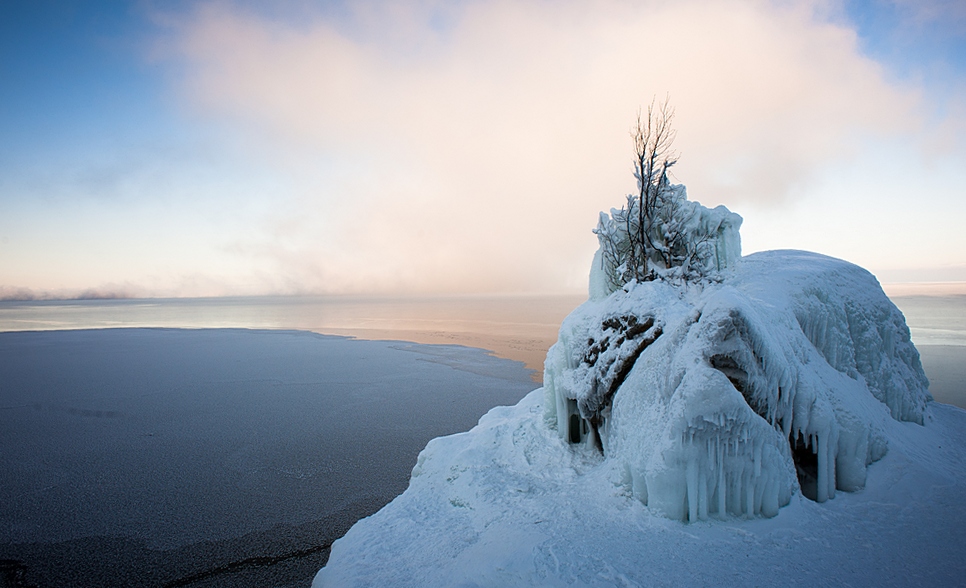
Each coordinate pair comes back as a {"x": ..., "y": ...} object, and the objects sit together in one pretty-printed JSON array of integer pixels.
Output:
[
  {"x": 521, "y": 328},
  {"x": 938, "y": 328}
]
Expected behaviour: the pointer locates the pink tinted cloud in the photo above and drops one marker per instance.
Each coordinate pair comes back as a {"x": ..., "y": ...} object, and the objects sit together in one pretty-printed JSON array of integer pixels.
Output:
[{"x": 490, "y": 143}]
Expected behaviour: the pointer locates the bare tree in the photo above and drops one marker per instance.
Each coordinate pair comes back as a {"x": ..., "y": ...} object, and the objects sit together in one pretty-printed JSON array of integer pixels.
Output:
[
  {"x": 659, "y": 233},
  {"x": 653, "y": 137}
]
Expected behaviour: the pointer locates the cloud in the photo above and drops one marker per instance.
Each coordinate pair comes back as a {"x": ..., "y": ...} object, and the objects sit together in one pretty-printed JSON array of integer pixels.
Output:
[{"x": 483, "y": 137}]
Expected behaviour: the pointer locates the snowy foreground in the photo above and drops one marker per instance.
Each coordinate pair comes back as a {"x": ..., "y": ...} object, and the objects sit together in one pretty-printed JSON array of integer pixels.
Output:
[{"x": 773, "y": 427}]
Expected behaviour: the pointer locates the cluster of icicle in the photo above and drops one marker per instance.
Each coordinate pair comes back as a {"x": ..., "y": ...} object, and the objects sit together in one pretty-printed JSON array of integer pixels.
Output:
[{"x": 765, "y": 384}]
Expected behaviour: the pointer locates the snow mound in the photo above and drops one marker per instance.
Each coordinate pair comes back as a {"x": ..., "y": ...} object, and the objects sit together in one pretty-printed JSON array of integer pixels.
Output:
[{"x": 728, "y": 398}]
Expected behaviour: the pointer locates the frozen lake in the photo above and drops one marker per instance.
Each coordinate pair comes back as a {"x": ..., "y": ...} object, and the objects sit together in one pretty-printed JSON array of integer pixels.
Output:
[{"x": 174, "y": 457}]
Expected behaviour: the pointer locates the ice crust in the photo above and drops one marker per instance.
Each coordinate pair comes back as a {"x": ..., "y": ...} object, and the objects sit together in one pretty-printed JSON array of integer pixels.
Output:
[{"x": 760, "y": 385}]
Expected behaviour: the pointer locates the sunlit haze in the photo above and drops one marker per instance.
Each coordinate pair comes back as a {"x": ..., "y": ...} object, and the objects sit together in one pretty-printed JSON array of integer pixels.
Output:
[{"x": 224, "y": 148}]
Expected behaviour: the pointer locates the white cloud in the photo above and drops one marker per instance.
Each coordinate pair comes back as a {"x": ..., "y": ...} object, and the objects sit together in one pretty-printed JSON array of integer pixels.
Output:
[{"x": 481, "y": 149}]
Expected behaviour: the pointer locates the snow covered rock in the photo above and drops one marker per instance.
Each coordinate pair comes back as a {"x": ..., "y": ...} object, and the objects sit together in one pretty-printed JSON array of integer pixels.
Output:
[
  {"x": 735, "y": 405},
  {"x": 721, "y": 394},
  {"x": 740, "y": 392},
  {"x": 778, "y": 384}
]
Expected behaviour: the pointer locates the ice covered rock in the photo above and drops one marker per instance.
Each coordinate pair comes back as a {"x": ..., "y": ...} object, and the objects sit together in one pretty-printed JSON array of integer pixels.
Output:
[
  {"x": 725, "y": 398},
  {"x": 697, "y": 385}
]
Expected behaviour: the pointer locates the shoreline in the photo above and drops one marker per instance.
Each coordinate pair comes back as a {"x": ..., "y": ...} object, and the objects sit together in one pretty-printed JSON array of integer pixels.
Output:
[{"x": 520, "y": 328}]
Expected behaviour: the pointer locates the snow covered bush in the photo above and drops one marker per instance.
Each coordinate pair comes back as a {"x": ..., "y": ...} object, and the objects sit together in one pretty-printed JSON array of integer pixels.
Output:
[{"x": 678, "y": 240}]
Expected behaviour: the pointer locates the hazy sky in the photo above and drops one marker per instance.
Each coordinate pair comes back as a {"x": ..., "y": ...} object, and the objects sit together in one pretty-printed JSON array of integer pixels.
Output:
[{"x": 212, "y": 148}]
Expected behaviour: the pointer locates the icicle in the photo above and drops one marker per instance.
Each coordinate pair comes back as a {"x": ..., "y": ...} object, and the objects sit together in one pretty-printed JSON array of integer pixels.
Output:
[
  {"x": 703, "y": 495},
  {"x": 692, "y": 481},
  {"x": 722, "y": 490},
  {"x": 821, "y": 450},
  {"x": 749, "y": 492},
  {"x": 757, "y": 458},
  {"x": 770, "y": 499}
]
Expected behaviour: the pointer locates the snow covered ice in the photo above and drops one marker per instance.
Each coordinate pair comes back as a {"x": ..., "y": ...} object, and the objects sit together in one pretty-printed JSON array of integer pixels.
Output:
[{"x": 746, "y": 420}]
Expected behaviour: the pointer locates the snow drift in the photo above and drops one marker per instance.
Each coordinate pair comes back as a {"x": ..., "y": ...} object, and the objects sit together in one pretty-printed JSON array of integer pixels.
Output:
[{"x": 722, "y": 388}]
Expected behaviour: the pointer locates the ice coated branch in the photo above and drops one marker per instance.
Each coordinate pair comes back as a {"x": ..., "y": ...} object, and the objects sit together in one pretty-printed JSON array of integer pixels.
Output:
[
  {"x": 653, "y": 138},
  {"x": 659, "y": 234}
]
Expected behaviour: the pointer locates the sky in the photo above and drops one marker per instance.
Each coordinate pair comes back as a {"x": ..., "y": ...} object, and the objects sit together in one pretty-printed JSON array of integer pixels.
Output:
[{"x": 239, "y": 148}]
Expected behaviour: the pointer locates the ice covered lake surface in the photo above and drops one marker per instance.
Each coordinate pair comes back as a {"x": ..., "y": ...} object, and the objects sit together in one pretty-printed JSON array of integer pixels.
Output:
[{"x": 222, "y": 457}]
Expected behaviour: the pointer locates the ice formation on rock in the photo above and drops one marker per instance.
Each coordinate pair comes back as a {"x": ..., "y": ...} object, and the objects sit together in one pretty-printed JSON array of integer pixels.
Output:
[
  {"x": 725, "y": 396},
  {"x": 725, "y": 392}
]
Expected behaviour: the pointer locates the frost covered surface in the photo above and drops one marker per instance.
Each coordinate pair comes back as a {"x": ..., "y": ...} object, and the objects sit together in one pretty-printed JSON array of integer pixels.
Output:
[
  {"x": 748, "y": 407},
  {"x": 511, "y": 504}
]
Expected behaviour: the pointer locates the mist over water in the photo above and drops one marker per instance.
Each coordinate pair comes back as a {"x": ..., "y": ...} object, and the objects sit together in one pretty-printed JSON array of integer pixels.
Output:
[
  {"x": 521, "y": 328},
  {"x": 935, "y": 320}
]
